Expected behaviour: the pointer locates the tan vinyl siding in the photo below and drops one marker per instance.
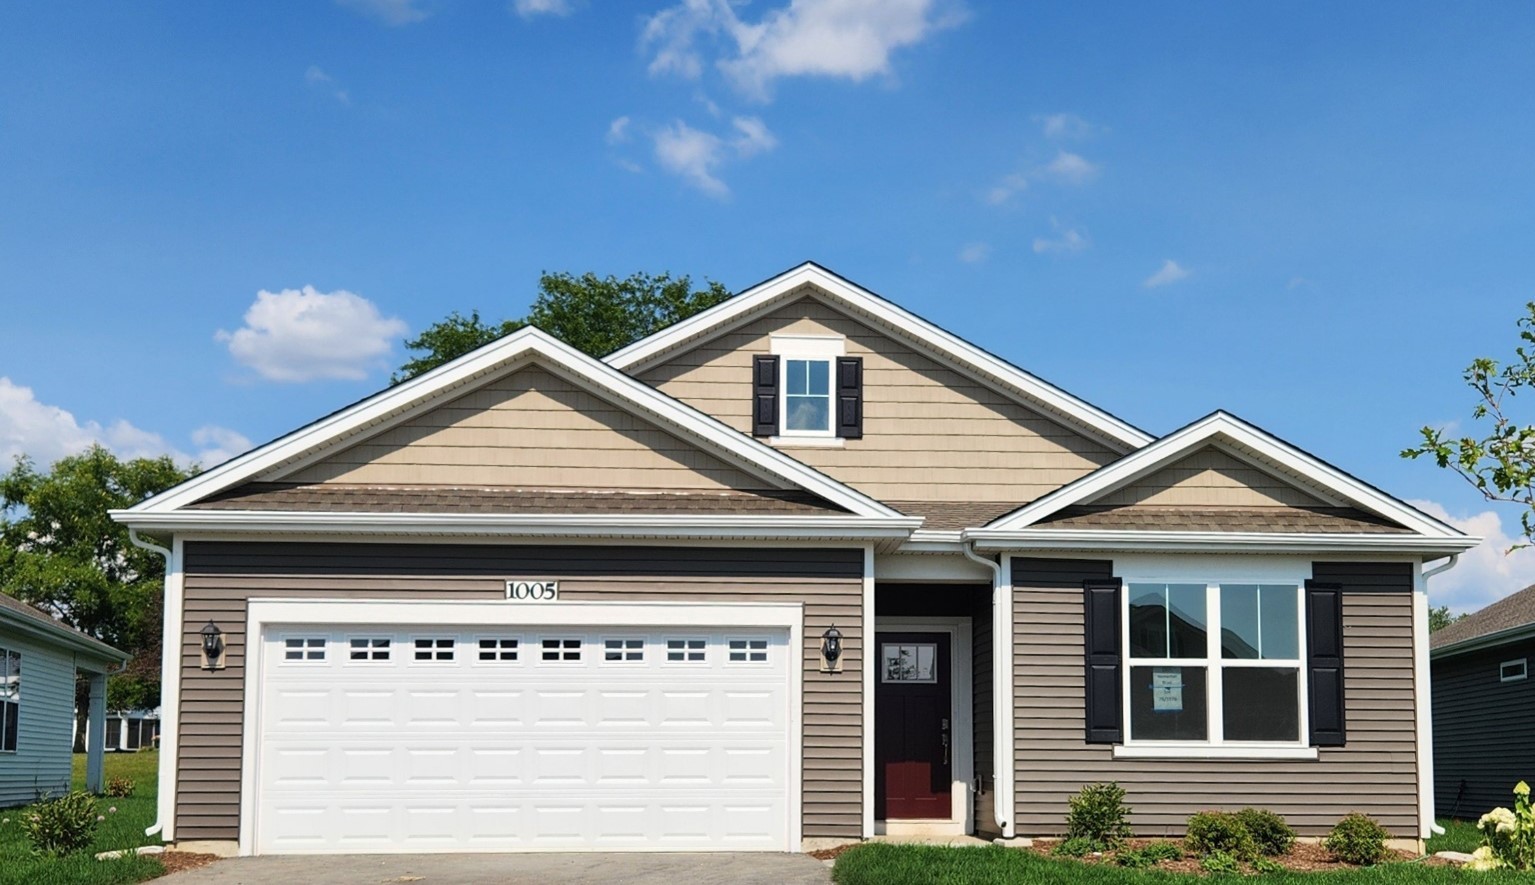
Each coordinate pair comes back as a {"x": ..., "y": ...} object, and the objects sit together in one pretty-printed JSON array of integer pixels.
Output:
[
  {"x": 531, "y": 428},
  {"x": 1210, "y": 477},
  {"x": 41, "y": 764},
  {"x": 930, "y": 433},
  {"x": 221, "y": 577},
  {"x": 1484, "y": 730},
  {"x": 1375, "y": 773}
]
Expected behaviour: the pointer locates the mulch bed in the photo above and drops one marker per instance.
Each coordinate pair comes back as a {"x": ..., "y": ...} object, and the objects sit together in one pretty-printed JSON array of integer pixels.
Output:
[
  {"x": 833, "y": 853},
  {"x": 180, "y": 861},
  {"x": 1303, "y": 857}
]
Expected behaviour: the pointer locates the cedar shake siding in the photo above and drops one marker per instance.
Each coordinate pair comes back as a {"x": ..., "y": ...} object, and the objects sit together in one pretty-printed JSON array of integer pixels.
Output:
[
  {"x": 532, "y": 428},
  {"x": 220, "y": 577},
  {"x": 1376, "y": 772},
  {"x": 929, "y": 432},
  {"x": 1210, "y": 477},
  {"x": 1484, "y": 730}
]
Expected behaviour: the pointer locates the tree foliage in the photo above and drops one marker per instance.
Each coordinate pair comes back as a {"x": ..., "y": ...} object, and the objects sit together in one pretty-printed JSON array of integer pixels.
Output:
[
  {"x": 1501, "y": 464},
  {"x": 1439, "y": 618},
  {"x": 596, "y": 315},
  {"x": 61, "y": 552}
]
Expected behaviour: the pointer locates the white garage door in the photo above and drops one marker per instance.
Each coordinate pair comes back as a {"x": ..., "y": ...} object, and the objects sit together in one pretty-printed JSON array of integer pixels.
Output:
[{"x": 546, "y": 739}]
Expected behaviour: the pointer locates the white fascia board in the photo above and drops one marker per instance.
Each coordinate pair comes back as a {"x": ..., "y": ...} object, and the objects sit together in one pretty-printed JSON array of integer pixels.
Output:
[
  {"x": 1222, "y": 425},
  {"x": 1208, "y": 542},
  {"x": 690, "y": 422},
  {"x": 742, "y": 307}
]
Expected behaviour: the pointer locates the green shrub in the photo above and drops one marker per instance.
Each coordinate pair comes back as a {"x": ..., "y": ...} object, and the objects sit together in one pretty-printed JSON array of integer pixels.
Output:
[
  {"x": 1212, "y": 832},
  {"x": 1135, "y": 860},
  {"x": 1267, "y": 865},
  {"x": 1272, "y": 835},
  {"x": 1160, "y": 851},
  {"x": 120, "y": 787},
  {"x": 1221, "y": 862},
  {"x": 63, "y": 825},
  {"x": 1357, "y": 839},
  {"x": 1098, "y": 813},
  {"x": 1075, "y": 847}
]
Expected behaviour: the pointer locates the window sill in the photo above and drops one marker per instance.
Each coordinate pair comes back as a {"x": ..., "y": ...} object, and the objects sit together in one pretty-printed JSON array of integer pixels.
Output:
[
  {"x": 1205, "y": 751},
  {"x": 789, "y": 442}
]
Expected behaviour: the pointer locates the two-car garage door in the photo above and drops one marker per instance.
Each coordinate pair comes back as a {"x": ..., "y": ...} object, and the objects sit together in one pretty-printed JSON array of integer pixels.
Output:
[{"x": 503, "y": 739}]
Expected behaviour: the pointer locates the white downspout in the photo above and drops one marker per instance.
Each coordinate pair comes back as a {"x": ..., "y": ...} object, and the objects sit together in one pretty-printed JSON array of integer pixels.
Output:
[
  {"x": 171, "y": 642},
  {"x": 1001, "y": 691},
  {"x": 1426, "y": 716}
]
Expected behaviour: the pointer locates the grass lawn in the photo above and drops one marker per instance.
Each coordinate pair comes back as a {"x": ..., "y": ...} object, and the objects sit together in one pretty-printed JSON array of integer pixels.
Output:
[
  {"x": 122, "y": 829},
  {"x": 1459, "y": 835},
  {"x": 883, "y": 864}
]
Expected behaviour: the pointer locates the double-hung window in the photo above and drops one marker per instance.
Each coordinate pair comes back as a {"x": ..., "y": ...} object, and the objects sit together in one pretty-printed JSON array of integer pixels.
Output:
[
  {"x": 807, "y": 397},
  {"x": 1214, "y": 663},
  {"x": 10, "y": 699}
]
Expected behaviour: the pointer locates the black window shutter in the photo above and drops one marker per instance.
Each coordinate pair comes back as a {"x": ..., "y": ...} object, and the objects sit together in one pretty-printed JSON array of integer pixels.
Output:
[
  {"x": 1101, "y": 639},
  {"x": 1324, "y": 663},
  {"x": 850, "y": 397},
  {"x": 764, "y": 395}
]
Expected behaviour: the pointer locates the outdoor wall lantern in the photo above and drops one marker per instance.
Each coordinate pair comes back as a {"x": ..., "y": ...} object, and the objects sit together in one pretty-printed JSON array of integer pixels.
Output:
[
  {"x": 831, "y": 645},
  {"x": 213, "y": 646}
]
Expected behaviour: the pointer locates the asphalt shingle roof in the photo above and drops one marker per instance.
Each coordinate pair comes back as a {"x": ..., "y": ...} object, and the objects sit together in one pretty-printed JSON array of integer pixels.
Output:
[{"x": 1515, "y": 610}]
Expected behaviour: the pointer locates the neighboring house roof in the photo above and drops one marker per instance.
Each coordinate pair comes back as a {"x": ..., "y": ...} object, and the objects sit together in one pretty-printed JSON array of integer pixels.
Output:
[
  {"x": 1510, "y": 619},
  {"x": 23, "y": 617},
  {"x": 1031, "y": 390}
]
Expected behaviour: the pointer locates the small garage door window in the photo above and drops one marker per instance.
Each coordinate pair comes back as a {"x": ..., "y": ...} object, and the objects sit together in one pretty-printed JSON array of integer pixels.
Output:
[
  {"x": 370, "y": 649},
  {"x": 304, "y": 648},
  {"x": 562, "y": 649},
  {"x": 498, "y": 649},
  {"x": 429, "y": 649}
]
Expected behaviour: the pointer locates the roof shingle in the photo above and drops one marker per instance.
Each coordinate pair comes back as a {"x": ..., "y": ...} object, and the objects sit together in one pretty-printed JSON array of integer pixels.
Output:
[
  {"x": 1282, "y": 520},
  {"x": 1514, "y": 610}
]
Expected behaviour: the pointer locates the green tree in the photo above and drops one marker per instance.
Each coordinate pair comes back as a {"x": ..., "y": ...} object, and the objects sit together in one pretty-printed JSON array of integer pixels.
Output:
[
  {"x": 596, "y": 315},
  {"x": 60, "y": 551},
  {"x": 1439, "y": 618},
  {"x": 1501, "y": 464}
]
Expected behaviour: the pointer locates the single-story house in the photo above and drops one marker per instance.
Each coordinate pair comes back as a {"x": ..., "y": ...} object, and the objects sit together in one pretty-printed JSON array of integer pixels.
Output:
[
  {"x": 1484, "y": 706},
  {"x": 801, "y": 569},
  {"x": 39, "y": 657}
]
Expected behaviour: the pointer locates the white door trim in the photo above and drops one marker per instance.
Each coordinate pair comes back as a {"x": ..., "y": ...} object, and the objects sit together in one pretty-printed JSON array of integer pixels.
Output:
[
  {"x": 962, "y": 819},
  {"x": 470, "y": 613}
]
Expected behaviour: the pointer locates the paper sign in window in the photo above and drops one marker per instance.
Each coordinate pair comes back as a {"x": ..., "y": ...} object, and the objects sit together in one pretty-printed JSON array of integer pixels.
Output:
[
  {"x": 908, "y": 662},
  {"x": 1167, "y": 690}
]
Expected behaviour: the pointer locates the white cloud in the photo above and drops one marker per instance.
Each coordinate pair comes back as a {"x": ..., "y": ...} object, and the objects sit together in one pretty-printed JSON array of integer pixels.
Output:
[
  {"x": 47, "y": 433},
  {"x": 1169, "y": 272},
  {"x": 305, "y": 334},
  {"x": 531, "y": 8},
  {"x": 1070, "y": 168},
  {"x": 618, "y": 131},
  {"x": 1485, "y": 573},
  {"x": 1068, "y": 240},
  {"x": 1297, "y": 282},
  {"x": 1059, "y": 127},
  {"x": 1010, "y": 186},
  {"x": 974, "y": 253},
  {"x": 848, "y": 39},
  {"x": 696, "y": 155},
  {"x": 318, "y": 79},
  {"x": 390, "y": 12}
]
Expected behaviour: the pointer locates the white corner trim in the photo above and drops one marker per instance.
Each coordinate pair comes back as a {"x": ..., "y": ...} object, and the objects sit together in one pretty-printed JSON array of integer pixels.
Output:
[
  {"x": 1224, "y": 426},
  {"x": 741, "y": 307},
  {"x": 1423, "y": 701},
  {"x": 262, "y": 612},
  {"x": 867, "y": 628},
  {"x": 1004, "y": 753},
  {"x": 170, "y": 688},
  {"x": 1194, "y": 751}
]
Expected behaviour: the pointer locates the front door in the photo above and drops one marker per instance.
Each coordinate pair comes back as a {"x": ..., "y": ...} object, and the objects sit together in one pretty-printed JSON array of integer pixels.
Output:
[{"x": 913, "y": 727}]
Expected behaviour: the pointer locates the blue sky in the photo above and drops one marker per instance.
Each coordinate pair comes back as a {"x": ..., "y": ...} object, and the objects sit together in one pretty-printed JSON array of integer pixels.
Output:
[{"x": 1311, "y": 215}]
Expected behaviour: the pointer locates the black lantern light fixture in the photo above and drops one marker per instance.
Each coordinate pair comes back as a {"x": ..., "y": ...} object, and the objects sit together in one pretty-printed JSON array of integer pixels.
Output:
[
  {"x": 213, "y": 644},
  {"x": 831, "y": 644}
]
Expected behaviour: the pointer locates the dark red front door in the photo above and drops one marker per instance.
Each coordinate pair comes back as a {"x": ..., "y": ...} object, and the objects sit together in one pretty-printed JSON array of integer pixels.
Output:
[{"x": 913, "y": 731}]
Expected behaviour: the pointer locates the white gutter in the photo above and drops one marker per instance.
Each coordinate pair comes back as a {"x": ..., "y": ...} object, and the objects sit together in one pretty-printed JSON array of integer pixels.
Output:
[
  {"x": 1001, "y": 692},
  {"x": 170, "y": 686},
  {"x": 1424, "y": 695}
]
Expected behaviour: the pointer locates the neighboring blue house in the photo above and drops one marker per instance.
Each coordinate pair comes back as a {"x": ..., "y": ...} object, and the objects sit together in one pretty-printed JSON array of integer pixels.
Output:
[{"x": 39, "y": 657}]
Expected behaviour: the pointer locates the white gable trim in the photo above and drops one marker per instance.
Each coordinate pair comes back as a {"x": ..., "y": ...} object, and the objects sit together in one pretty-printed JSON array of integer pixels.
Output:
[
  {"x": 746, "y": 306},
  {"x": 1221, "y": 426},
  {"x": 388, "y": 405}
]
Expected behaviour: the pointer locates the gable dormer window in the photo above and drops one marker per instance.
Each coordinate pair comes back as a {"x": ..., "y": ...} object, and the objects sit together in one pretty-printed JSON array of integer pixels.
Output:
[{"x": 807, "y": 391}]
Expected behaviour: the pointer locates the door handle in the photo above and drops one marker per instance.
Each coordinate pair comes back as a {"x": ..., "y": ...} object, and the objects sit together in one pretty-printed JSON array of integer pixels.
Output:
[{"x": 946, "y": 748}]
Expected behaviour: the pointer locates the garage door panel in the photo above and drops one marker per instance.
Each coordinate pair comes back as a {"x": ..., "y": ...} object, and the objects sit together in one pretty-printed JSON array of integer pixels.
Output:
[{"x": 474, "y": 741}]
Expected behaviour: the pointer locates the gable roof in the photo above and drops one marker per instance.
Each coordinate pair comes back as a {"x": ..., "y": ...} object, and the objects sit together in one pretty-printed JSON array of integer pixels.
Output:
[
  {"x": 172, "y": 509},
  {"x": 949, "y": 349},
  {"x": 1509, "y": 619},
  {"x": 19, "y": 615},
  {"x": 1336, "y": 489}
]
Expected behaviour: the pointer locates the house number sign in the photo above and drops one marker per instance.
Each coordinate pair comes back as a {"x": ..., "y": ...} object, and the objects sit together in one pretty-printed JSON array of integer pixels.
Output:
[{"x": 533, "y": 591}]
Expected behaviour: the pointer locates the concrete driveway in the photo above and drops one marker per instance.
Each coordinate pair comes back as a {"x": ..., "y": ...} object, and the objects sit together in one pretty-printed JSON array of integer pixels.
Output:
[{"x": 483, "y": 869}]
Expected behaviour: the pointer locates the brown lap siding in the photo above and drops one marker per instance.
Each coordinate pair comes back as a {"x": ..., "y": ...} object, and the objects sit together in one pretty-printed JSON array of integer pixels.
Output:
[
  {"x": 221, "y": 577},
  {"x": 1375, "y": 773}
]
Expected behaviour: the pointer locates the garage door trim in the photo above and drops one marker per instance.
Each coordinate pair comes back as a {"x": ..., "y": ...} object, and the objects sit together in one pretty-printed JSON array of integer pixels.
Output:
[{"x": 395, "y": 613}]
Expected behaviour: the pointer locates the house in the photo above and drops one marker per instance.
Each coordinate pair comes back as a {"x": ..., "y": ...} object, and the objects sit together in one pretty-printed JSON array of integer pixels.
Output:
[
  {"x": 1484, "y": 706},
  {"x": 39, "y": 658},
  {"x": 127, "y": 731},
  {"x": 801, "y": 569}
]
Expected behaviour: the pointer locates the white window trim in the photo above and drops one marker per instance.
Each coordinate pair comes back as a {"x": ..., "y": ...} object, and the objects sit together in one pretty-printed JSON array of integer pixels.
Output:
[
  {"x": 13, "y": 650},
  {"x": 821, "y": 348},
  {"x": 1215, "y": 665},
  {"x": 1524, "y": 670}
]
